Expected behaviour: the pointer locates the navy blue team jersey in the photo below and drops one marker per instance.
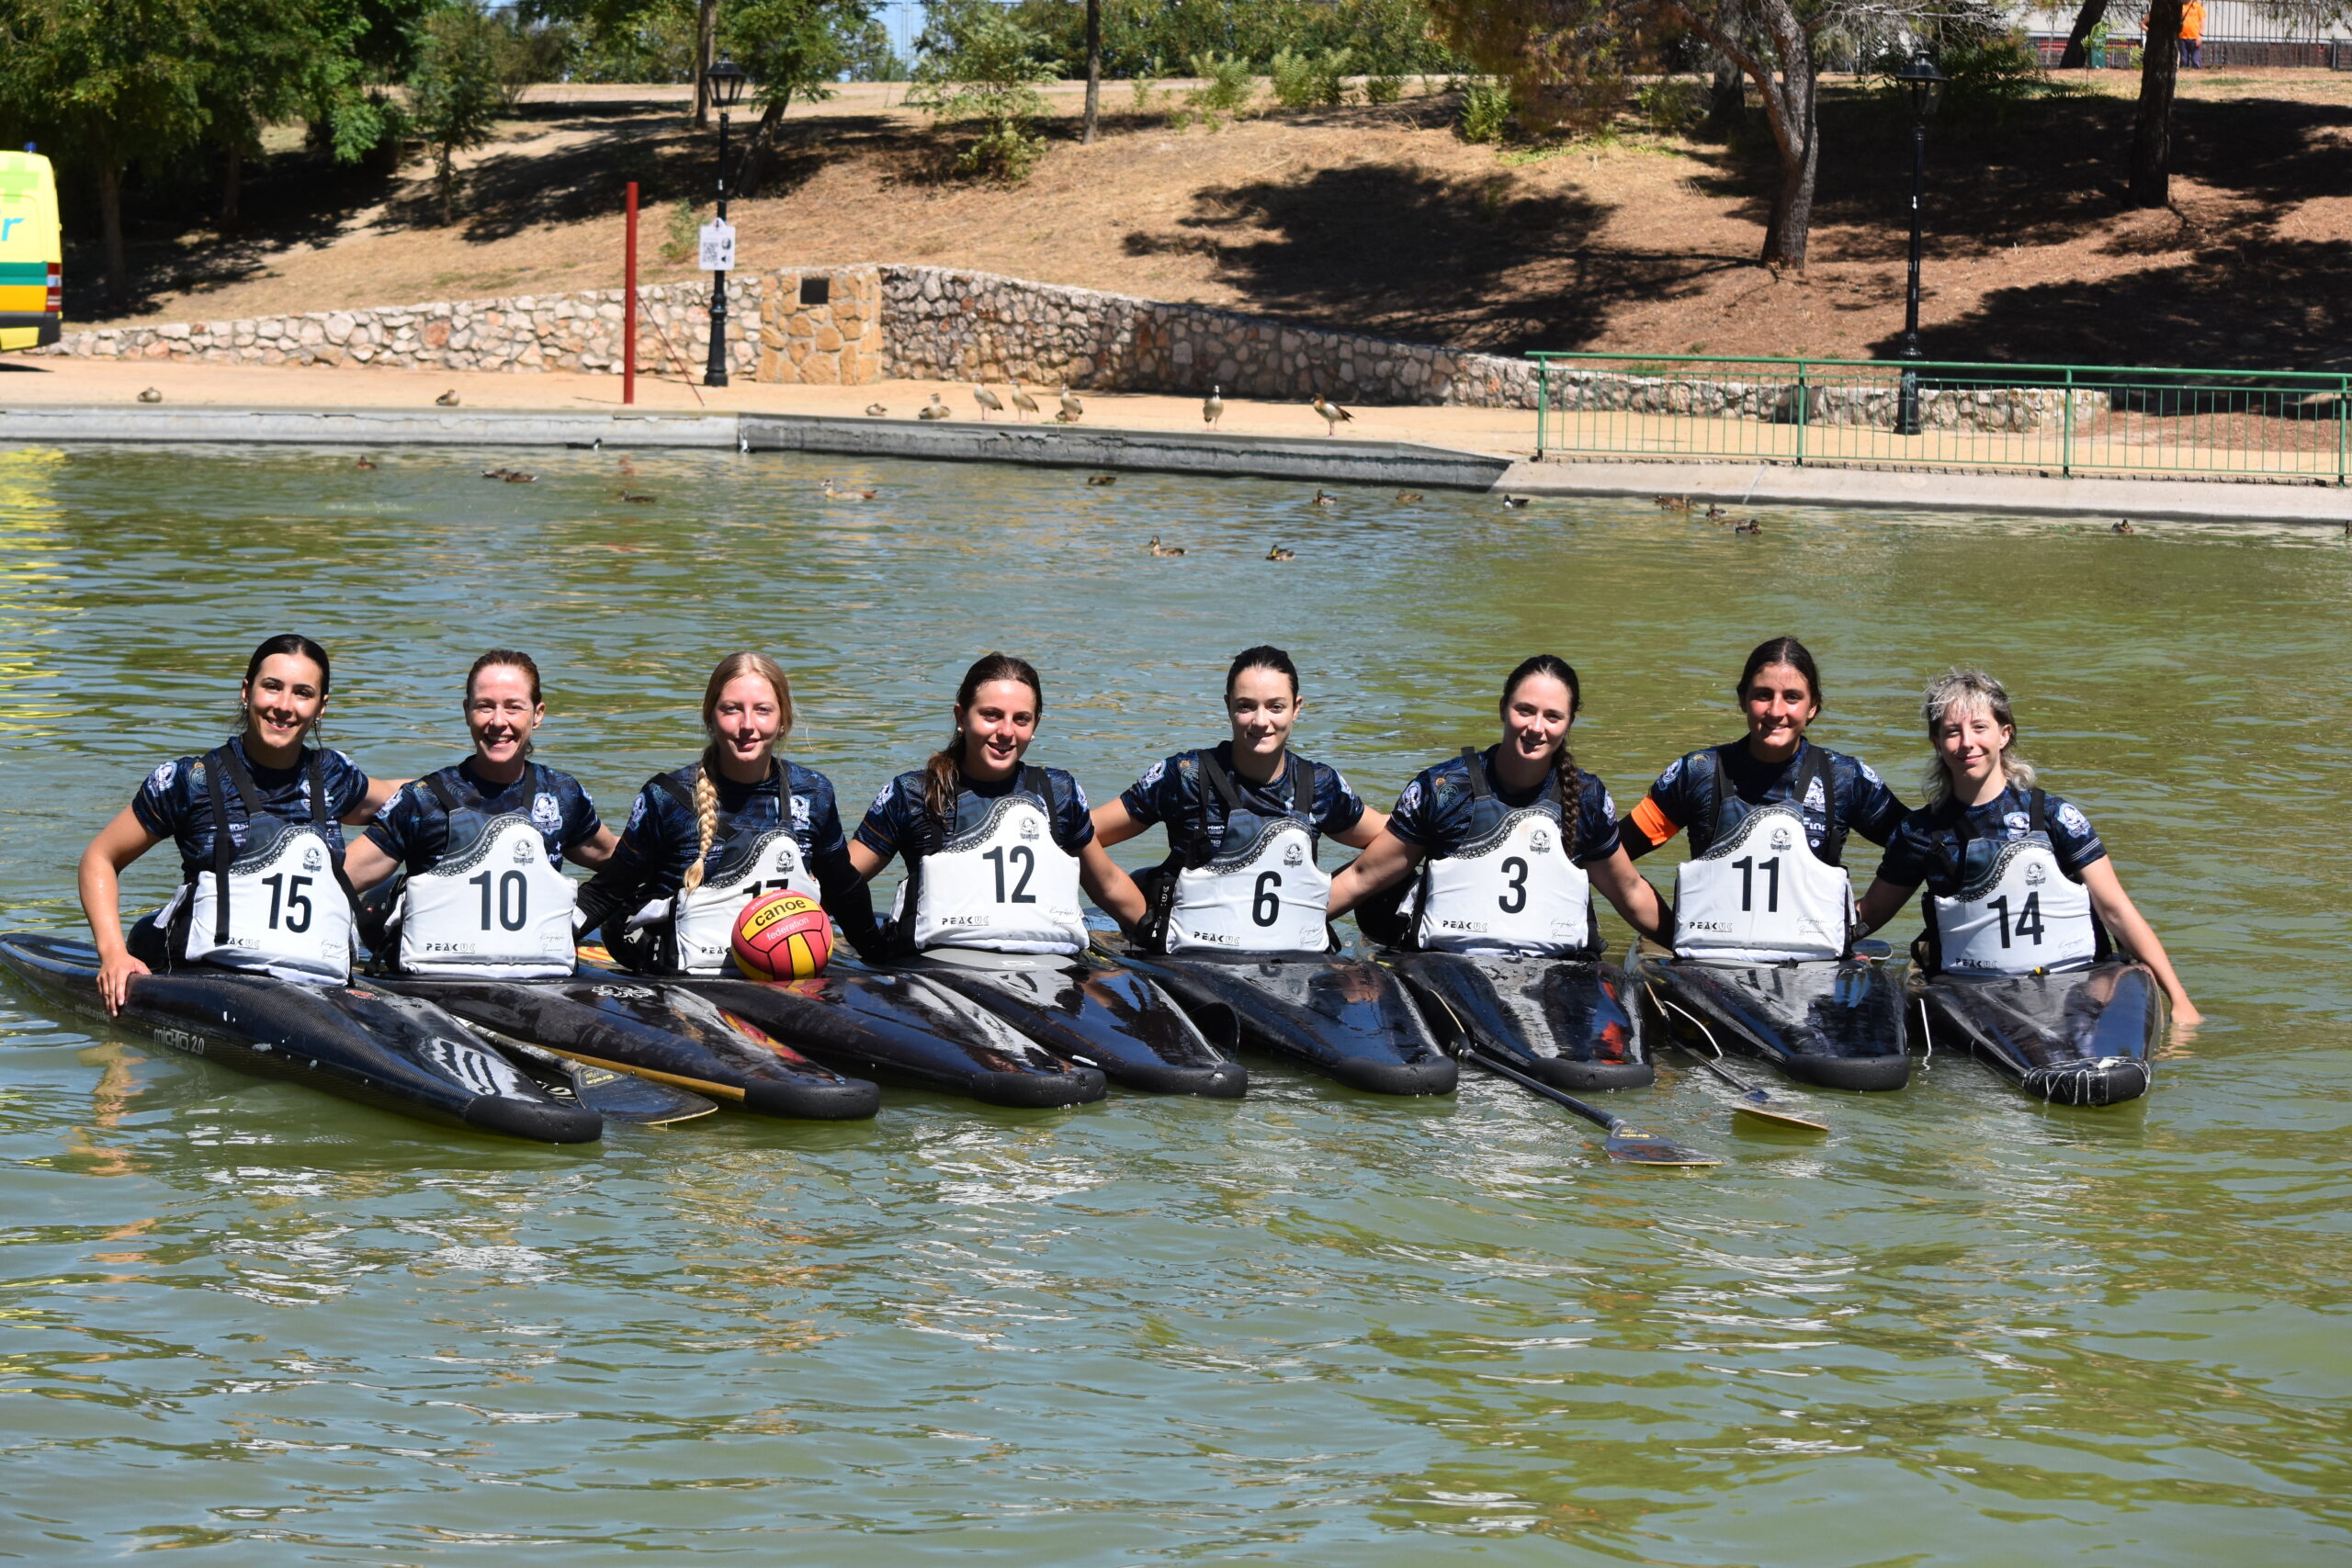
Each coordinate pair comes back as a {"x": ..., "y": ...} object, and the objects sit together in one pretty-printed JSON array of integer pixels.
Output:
[
  {"x": 1675, "y": 802},
  {"x": 899, "y": 811},
  {"x": 1175, "y": 794},
  {"x": 1926, "y": 845},
  {"x": 176, "y": 802},
  {"x": 1436, "y": 811},
  {"x": 413, "y": 827},
  {"x": 658, "y": 843}
]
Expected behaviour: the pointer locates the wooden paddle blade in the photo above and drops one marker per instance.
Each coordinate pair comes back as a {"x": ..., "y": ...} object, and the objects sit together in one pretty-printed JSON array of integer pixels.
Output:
[
  {"x": 1778, "y": 1115},
  {"x": 624, "y": 1097},
  {"x": 1648, "y": 1148}
]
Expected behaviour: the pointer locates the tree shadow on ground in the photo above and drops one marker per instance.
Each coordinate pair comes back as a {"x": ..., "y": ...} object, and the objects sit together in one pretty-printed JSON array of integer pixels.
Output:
[
  {"x": 1398, "y": 250},
  {"x": 2262, "y": 304}
]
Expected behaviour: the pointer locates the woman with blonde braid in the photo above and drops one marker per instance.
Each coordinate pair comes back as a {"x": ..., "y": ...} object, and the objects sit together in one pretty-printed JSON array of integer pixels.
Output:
[{"x": 704, "y": 839}]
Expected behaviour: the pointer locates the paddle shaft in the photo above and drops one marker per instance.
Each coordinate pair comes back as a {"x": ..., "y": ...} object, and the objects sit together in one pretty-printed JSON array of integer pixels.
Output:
[{"x": 1536, "y": 1085}]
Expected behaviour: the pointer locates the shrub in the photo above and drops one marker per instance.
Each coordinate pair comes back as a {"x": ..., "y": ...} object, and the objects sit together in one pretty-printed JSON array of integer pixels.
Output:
[
  {"x": 1486, "y": 112},
  {"x": 979, "y": 68},
  {"x": 1226, "y": 84},
  {"x": 681, "y": 237},
  {"x": 1310, "y": 81},
  {"x": 1382, "y": 88},
  {"x": 1672, "y": 105}
]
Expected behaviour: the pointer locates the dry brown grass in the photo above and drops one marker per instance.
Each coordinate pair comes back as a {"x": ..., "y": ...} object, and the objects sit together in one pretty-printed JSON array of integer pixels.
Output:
[{"x": 1382, "y": 219}]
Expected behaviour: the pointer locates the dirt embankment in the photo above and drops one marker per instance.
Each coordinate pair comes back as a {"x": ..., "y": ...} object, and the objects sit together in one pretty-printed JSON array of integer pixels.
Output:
[{"x": 1382, "y": 219}]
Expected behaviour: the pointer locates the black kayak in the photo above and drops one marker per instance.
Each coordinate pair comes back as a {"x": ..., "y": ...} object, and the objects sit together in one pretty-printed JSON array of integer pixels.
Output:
[
  {"x": 653, "y": 1030},
  {"x": 1838, "y": 1025},
  {"x": 366, "y": 1044},
  {"x": 1093, "y": 1014},
  {"x": 901, "y": 1029},
  {"x": 1347, "y": 1017},
  {"x": 2079, "y": 1038},
  {"x": 1571, "y": 1024}
]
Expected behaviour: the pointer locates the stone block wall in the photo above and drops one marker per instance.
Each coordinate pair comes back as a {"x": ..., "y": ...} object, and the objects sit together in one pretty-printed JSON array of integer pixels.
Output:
[{"x": 837, "y": 340}]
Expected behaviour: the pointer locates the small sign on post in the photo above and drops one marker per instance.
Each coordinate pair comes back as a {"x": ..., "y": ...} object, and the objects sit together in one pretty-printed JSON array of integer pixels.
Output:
[{"x": 719, "y": 246}]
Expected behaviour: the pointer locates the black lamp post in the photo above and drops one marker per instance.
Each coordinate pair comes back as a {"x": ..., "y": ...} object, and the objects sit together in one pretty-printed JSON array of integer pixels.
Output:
[
  {"x": 727, "y": 82},
  {"x": 1923, "y": 85}
]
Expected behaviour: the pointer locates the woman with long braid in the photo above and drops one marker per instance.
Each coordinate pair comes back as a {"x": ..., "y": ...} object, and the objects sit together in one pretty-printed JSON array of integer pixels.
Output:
[
  {"x": 704, "y": 839},
  {"x": 1509, "y": 841}
]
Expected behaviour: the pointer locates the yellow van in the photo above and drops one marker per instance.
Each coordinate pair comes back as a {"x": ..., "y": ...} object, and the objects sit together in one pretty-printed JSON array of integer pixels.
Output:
[{"x": 32, "y": 304}]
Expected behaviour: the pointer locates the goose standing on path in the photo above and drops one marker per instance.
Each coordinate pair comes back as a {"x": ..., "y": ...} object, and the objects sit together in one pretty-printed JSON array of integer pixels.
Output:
[
  {"x": 934, "y": 409},
  {"x": 447, "y": 400},
  {"x": 1072, "y": 410},
  {"x": 1212, "y": 406},
  {"x": 986, "y": 399},
  {"x": 874, "y": 410},
  {"x": 1333, "y": 414},
  {"x": 1023, "y": 400}
]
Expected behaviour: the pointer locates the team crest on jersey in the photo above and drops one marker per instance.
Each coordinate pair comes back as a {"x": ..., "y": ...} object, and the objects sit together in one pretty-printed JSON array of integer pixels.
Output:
[
  {"x": 1673, "y": 772},
  {"x": 1152, "y": 775},
  {"x": 1029, "y": 829},
  {"x": 883, "y": 799},
  {"x": 2073, "y": 820},
  {"x": 2017, "y": 822},
  {"x": 1539, "y": 841},
  {"x": 2036, "y": 874},
  {"x": 546, "y": 815},
  {"x": 636, "y": 815},
  {"x": 1295, "y": 854},
  {"x": 800, "y": 813},
  {"x": 1781, "y": 840},
  {"x": 1870, "y": 773},
  {"x": 1411, "y": 798},
  {"x": 1815, "y": 800},
  {"x": 523, "y": 852},
  {"x": 162, "y": 777},
  {"x": 314, "y": 859}
]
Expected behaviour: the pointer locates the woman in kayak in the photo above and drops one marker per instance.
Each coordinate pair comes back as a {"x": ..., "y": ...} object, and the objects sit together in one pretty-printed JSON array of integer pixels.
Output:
[
  {"x": 481, "y": 842},
  {"x": 704, "y": 839},
  {"x": 1510, "y": 842},
  {"x": 1745, "y": 895},
  {"x": 2018, "y": 880},
  {"x": 1244, "y": 819},
  {"x": 258, "y": 825},
  {"x": 995, "y": 847}
]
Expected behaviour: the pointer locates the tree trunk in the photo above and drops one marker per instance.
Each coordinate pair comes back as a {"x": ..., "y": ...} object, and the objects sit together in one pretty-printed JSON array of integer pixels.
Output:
[
  {"x": 2152, "y": 128},
  {"x": 232, "y": 180},
  {"x": 110, "y": 229},
  {"x": 755, "y": 151},
  {"x": 446, "y": 180},
  {"x": 2078, "y": 41},
  {"x": 1093, "y": 69},
  {"x": 1791, "y": 100},
  {"x": 706, "y": 51},
  {"x": 1726, "y": 100}
]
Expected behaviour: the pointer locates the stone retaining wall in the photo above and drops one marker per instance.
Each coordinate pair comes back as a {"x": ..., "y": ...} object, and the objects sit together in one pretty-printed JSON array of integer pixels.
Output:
[{"x": 855, "y": 325}]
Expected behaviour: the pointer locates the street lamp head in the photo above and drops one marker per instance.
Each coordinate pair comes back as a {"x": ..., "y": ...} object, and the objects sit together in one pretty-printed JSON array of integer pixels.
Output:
[
  {"x": 1923, "y": 85},
  {"x": 726, "y": 80}
]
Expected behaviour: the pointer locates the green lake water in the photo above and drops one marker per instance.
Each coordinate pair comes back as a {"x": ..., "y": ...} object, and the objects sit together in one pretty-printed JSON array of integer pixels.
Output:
[{"x": 260, "y": 1326}]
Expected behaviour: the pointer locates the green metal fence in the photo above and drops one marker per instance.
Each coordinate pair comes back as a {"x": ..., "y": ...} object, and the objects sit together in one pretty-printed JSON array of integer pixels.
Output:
[{"x": 2053, "y": 419}]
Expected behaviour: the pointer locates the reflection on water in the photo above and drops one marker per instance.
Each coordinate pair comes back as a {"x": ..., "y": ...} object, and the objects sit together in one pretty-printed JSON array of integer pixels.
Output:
[{"x": 1308, "y": 1325}]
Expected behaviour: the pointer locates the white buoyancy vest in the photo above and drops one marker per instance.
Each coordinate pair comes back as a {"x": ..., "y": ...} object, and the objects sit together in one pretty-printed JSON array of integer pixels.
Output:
[
  {"x": 1262, "y": 891},
  {"x": 1513, "y": 889},
  {"x": 1761, "y": 895},
  {"x": 492, "y": 905},
  {"x": 285, "y": 911},
  {"x": 702, "y": 920},
  {"x": 1005, "y": 885},
  {"x": 2023, "y": 915}
]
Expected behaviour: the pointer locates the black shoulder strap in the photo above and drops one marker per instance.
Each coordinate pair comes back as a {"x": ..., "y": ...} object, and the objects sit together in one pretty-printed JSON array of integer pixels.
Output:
[
  {"x": 319, "y": 815},
  {"x": 1707, "y": 773},
  {"x": 441, "y": 790},
  {"x": 224, "y": 849},
  {"x": 1300, "y": 776},
  {"x": 1218, "y": 780},
  {"x": 1815, "y": 768},
  {"x": 1474, "y": 759},
  {"x": 668, "y": 785},
  {"x": 2037, "y": 807}
]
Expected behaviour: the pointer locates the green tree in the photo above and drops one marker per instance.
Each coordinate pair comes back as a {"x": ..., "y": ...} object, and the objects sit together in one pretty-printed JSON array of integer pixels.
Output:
[
  {"x": 457, "y": 91},
  {"x": 104, "y": 86},
  {"x": 980, "y": 68},
  {"x": 791, "y": 49}
]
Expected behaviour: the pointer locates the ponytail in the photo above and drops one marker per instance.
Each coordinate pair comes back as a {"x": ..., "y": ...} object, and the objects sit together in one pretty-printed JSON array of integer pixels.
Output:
[
  {"x": 947, "y": 765},
  {"x": 706, "y": 815}
]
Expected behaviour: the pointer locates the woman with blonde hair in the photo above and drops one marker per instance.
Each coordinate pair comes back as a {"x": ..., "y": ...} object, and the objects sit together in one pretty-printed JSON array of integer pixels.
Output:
[
  {"x": 2020, "y": 890},
  {"x": 704, "y": 839}
]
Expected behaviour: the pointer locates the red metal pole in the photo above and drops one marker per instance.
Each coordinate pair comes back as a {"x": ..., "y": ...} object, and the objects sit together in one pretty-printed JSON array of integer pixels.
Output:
[{"x": 629, "y": 306}]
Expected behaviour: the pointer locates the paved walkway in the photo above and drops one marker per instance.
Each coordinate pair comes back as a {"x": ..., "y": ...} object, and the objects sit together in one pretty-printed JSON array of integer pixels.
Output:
[{"x": 33, "y": 385}]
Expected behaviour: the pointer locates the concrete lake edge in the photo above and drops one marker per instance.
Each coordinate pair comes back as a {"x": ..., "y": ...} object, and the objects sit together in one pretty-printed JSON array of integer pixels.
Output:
[{"x": 1331, "y": 460}]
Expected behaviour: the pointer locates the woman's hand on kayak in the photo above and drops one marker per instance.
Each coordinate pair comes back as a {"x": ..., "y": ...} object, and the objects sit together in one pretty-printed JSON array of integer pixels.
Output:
[{"x": 116, "y": 971}]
